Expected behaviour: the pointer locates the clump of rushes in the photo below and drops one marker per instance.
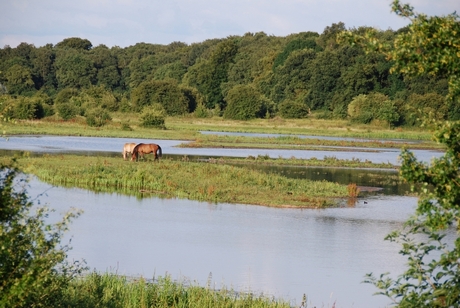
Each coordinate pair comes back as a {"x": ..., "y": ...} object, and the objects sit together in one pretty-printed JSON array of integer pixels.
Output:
[
  {"x": 110, "y": 290},
  {"x": 183, "y": 179}
]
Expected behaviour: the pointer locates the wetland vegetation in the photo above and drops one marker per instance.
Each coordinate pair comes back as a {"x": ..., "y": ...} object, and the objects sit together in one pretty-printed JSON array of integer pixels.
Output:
[
  {"x": 183, "y": 179},
  {"x": 98, "y": 290},
  {"x": 79, "y": 90}
]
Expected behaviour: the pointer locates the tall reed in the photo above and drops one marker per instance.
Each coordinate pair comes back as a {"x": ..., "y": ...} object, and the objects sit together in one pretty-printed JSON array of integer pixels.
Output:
[{"x": 110, "y": 290}]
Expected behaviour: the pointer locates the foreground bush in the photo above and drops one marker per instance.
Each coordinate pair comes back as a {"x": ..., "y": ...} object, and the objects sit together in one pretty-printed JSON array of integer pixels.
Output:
[{"x": 33, "y": 269}]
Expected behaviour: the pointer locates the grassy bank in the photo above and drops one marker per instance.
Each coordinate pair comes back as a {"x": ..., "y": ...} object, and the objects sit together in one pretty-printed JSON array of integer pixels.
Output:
[
  {"x": 297, "y": 143},
  {"x": 310, "y": 126},
  {"x": 126, "y": 125},
  {"x": 107, "y": 290},
  {"x": 182, "y": 179}
]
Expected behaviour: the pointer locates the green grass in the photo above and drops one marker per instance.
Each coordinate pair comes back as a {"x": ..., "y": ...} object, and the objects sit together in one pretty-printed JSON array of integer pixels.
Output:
[
  {"x": 181, "y": 179},
  {"x": 187, "y": 128},
  {"x": 293, "y": 142},
  {"x": 109, "y": 290},
  {"x": 327, "y": 161}
]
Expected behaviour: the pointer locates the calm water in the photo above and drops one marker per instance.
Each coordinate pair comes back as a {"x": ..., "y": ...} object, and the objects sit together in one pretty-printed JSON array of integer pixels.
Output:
[
  {"x": 280, "y": 252},
  {"x": 90, "y": 145}
]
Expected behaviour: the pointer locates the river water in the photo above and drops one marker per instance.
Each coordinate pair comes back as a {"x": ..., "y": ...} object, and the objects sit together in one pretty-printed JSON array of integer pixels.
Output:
[{"x": 285, "y": 253}]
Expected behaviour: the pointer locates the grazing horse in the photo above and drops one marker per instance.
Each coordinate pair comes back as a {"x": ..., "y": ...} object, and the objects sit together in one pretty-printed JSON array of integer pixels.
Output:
[
  {"x": 146, "y": 148},
  {"x": 128, "y": 148}
]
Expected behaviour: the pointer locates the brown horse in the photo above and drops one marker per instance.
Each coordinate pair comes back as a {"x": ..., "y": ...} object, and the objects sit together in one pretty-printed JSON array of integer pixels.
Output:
[
  {"x": 128, "y": 148},
  {"x": 146, "y": 148}
]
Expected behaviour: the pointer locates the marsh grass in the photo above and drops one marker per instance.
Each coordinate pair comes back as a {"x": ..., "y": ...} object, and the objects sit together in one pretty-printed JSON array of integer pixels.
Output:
[
  {"x": 110, "y": 290},
  {"x": 183, "y": 179},
  {"x": 327, "y": 161},
  {"x": 188, "y": 127},
  {"x": 309, "y": 126},
  {"x": 294, "y": 142}
]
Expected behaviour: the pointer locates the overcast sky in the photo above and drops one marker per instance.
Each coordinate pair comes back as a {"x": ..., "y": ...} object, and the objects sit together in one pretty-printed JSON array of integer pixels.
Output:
[{"x": 127, "y": 22}]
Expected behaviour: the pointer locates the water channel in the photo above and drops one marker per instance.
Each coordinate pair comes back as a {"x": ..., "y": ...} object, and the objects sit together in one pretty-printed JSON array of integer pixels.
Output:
[{"x": 278, "y": 252}]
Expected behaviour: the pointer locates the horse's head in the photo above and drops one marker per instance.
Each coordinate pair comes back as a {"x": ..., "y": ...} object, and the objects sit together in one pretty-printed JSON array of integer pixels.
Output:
[{"x": 134, "y": 154}]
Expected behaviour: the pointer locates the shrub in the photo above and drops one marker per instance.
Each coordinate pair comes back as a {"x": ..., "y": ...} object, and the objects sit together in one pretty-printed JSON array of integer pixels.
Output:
[
  {"x": 244, "y": 103},
  {"x": 419, "y": 107},
  {"x": 28, "y": 109},
  {"x": 125, "y": 126},
  {"x": 375, "y": 106},
  {"x": 33, "y": 270},
  {"x": 293, "y": 110},
  {"x": 67, "y": 111},
  {"x": 153, "y": 116},
  {"x": 65, "y": 95},
  {"x": 6, "y": 107},
  {"x": 97, "y": 117},
  {"x": 201, "y": 111}
]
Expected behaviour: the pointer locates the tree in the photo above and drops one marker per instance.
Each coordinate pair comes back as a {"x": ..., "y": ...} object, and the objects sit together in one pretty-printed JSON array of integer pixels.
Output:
[
  {"x": 44, "y": 71},
  {"x": 244, "y": 103},
  {"x": 165, "y": 92},
  {"x": 75, "y": 43},
  {"x": 19, "y": 80},
  {"x": 429, "y": 46},
  {"x": 432, "y": 278},
  {"x": 33, "y": 269},
  {"x": 74, "y": 69},
  {"x": 209, "y": 75},
  {"x": 107, "y": 67}
]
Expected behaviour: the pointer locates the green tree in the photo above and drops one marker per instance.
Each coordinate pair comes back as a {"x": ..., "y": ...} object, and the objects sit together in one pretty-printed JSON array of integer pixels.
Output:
[
  {"x": 208, "y": 76},
  {"x": 294, "y": 76},
  {"x": 106, "y": 65},
  {"x": 33, "y": 267},
  {"x": 325, "y": 72},
  {"x": 75, "y": 43},
  {"x": 429, "y": 46},
  {"x": 43, "y": 68},
  {"x": 74, "y": 69},
  {"x": 175, "y": 70},
  {"x": 432, "y": 278},
  {"x": 19, "y": 80},
  {"x": 244, "y": 103},
  {"x": 141, "y": 70},
  {"x": 165, "y": 92}
]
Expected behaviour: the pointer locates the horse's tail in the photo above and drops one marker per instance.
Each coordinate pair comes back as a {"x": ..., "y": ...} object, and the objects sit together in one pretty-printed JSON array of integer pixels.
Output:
[{"x": 159, "y": 152}]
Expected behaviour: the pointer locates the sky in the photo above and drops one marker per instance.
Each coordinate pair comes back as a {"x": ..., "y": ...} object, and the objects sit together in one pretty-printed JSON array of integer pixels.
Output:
[{"x": 125, "y": 23}]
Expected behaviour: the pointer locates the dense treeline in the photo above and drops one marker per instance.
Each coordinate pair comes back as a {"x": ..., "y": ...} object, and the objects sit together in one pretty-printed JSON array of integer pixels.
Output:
[{"x": 239, "y": 77}]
